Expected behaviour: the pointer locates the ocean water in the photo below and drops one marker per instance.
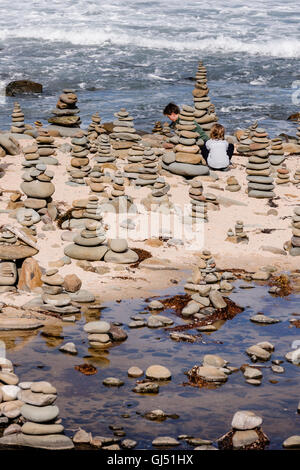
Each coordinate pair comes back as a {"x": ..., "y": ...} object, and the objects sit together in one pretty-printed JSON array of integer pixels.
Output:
[{"x": 142, "y": 55}]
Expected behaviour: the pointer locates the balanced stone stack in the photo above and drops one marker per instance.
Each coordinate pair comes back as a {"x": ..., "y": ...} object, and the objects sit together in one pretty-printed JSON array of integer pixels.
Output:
[
  {"x": 31, "y": 155},
  {"x": 119, "y": 252},
  {"x": 80, "y": 167},
  {"x": 276, "y": 152},
  {"x": 97, "y": 182},
  {"x": 94, "y": 131},
  {"x": 296, "y": 179},
  {"x": 187, "y": 160},
  {"x": 208, "y": 285},
  {"x": 246, "y": 433},
  {"x": 15, "y": 245},
  {"x": 232, "y": 184},
  {"x": 18, "y": 125},
  {"x": 245, "y": 141},
  {"x": 104, "y": 151},
  {"x": 90, "y": 244},
  {"x": 54, "y": 297},
  {"x": 159, "y": 193},
  {"x": 260, "y": 181},
  {"x": 102, "y": 335},
  {"x": 204, "y": 110},
  {"x": 166, "y": 130},
  {"x": 38, "y": 187},
  {"x": 198, "y": 201},
  {"x": 283, "y": 175},
  {"x": 239, "y": 236},
  {"x": 124, "y": 134},
  {"x": 142, "y": 166},
  {"x": 46, "y": 148},
  {"x": 118, "y": 186},
  {"x": 82, "y": 211},
  {"x": 157, "y": 129},
  {"x": 295, "y": 241},
  {"x": 65, "y": 113},
  {"x": 32, "y": 405},
  {"x": 28, "y": 220}
]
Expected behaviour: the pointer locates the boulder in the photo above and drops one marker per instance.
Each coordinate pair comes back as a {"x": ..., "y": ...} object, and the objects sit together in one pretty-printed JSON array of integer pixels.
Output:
[
  {"x": 30, "y": 275},
  {"x": 18, "y": 87}
]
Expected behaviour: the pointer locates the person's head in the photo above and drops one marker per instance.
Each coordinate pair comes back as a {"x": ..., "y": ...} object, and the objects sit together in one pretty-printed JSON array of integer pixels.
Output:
[
  {"x": 172, "y": 111},
  {"x": 217, "y": 132}
]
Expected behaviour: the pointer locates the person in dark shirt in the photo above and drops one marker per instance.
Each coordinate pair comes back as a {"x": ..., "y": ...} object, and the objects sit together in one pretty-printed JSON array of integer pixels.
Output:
[{"x": 172, "y": 111}]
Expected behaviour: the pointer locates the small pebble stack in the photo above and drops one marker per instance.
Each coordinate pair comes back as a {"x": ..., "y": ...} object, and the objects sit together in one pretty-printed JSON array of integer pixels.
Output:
[
  {"x": 198, "y": 201},
  {"x": 104, "y": 151},
  {"x": 79, "y": 167},
  {"x": 295, "y": 241},
  {"x": 124, "y": 133},
  {"x": 65, "y": 113},
  {"x": 276, "y": 152},
  {"x": 232, "y": 184},
  {"x": 283, "y": 175}
]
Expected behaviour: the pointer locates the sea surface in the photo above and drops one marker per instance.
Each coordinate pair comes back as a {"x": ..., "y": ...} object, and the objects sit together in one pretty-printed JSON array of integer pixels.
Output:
[{"x": 141, "y": 55}]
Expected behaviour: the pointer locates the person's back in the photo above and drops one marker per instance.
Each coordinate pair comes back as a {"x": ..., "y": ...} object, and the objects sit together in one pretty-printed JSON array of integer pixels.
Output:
[{"x": 217, "y": 157}]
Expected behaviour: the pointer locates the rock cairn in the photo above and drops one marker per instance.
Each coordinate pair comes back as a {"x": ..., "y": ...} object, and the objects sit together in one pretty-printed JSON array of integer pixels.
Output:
[
  {"x": 208, "y": 285},
  {"x": 102, "y": 335},
  {"x": 204, "y": 110},
  {"x": 104, "y": 150},
  {"x": 166, "y": 130},
  {"x": 276, "y": 152},
  {"x": 295, "y": 241},
  {"x": 159, "y": 193},
  {"x": 18, "y": 125},
  {"x": 238, "y": 236},
  {"x": 46, "y": 148},
  {"x": 246, "y": 433},
  {"x": 283, "y": 175},
  {"x": 296, "y": 179},
  {"x": 118, "y": 188},
  {"x": 55, "y": 298},
  {"x": 142, "y": 166},
  {"x": 31, "y": 155},
  {"x": 94, "y": 131},
  {"x": 260, "y": 181},
  {"x": 198, "y": 201},
  {"x": 187, "y": 159},
  {"x": 97, "y": 182},
  {"x": 38, "y": 187},
  {"x": 124, "y": 134},
  {"x": 66, "y": 111},
  {"x": 119, "y": 252},
  {"x": 89, "y": 244},
  {"x": 245, "y": 141},
  {"x": 82, "y": 211},
  {"x": 79, "y": 167},
  {"x": 157, "y": 129},
  {"x": 32, "y": 416},
  {"x": 232, "y": 184},
  {"x": 15, "y": 246}
]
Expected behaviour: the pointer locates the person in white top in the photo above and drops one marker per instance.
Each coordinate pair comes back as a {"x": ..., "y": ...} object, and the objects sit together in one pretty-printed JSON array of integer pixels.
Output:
[{"x": 217, "y": 152}]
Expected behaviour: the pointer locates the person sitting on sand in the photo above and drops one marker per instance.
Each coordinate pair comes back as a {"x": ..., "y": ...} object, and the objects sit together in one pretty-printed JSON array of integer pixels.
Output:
[
  {"x": 172, "y": 111},
  {"x": 216, "y": 151}
]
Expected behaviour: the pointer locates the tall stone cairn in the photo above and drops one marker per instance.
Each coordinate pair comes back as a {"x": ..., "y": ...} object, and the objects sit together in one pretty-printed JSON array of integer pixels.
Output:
[
  {"x": 124, "y": 134},
  {"x": 259, "y": 172},
  {"x": 204, "y": 110},
  {"x": 17, "y": 125},
  {"x": 66, "y": 111},
  {"x": 79, "y": 167}
]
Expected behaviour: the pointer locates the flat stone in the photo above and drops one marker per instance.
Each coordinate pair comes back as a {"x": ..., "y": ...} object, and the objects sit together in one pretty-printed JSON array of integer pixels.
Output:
[
  {"x": 113, "y": 382},
  {"x": 39, "y": 414},
  {"x": 9, "y": 378},
  {"x": 148, "y": 387},
  {"x": 97, "y": 327},
  {"x": 41, "y": 429},
  {"x": 244, "y": 438},
  {"x": 214, "y": 360},
  {"x": 135, "y": 372},
  {"x": 252, "y": 373},
  {"x": 82, "y": 296},
  {"x": 42, "y": 387},
  {"x": 158, "y": 372},
  {"x": 292, "y": 442},
  {"x": 82, "y": 437},
  {"x": 211, "y": 374},
  {"x": 165, "y": 441},
  {"x": 260, "y": 276},
  {"x": 217, "y": 299},
  {"x": 263, "y": 319},
  {"x": 258, "y": 352},
  {"x": 118, "y": 245},
  {"x": 155, "y": 305},
  {"x": 128, "y": 257},
  {"x": 69, "y": 348},
  {"x": 36, "y": 399},
  {"x": 9, "y": 392},
  {"x": 49, "y": 442}
]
